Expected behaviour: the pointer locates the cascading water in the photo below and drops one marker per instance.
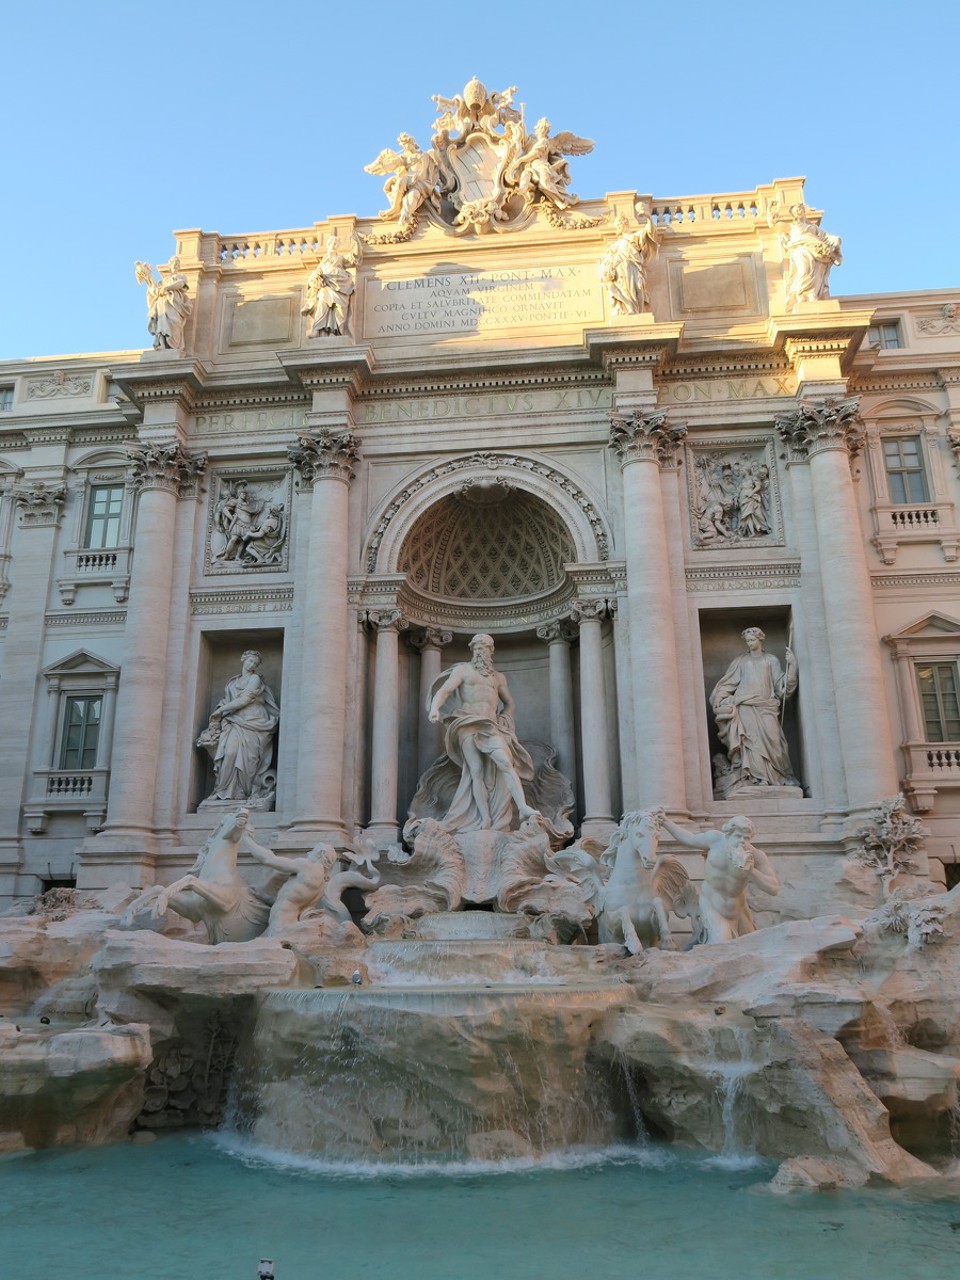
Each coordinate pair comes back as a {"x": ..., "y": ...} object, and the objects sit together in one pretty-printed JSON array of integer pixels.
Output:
[{"x": 436, "y": 1061}]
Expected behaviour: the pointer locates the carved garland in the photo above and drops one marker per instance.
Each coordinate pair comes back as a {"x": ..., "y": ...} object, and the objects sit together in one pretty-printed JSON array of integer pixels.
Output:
[{"x": 492, "y": 461}]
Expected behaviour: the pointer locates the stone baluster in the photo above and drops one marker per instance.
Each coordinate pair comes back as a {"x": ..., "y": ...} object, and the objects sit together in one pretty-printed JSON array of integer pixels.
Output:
[
  {"x": 594, "y": 744},
  {"x": 385, "y": 749},
  {"x": 161, "y": 474},
  {"x": 429, "y": 643},
  {"x": 557, "y": 636},
  {"x": 827, "y": 434},
  {"x": 324, "y": 458},
  {"x": 645, "y": 442}
]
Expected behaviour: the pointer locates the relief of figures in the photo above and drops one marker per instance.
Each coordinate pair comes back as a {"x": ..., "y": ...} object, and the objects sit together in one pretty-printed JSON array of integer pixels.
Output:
[
  {"x": 732, "y": 500},
  {"x": 249, "y": 528}
]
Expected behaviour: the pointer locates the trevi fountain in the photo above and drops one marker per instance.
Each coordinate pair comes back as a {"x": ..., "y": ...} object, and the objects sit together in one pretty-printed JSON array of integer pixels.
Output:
[{"x": 615, "y": 936}]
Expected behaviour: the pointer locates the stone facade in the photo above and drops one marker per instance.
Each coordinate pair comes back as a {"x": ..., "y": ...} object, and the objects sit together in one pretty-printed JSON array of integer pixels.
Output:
[{"x": 366, "y": 440}]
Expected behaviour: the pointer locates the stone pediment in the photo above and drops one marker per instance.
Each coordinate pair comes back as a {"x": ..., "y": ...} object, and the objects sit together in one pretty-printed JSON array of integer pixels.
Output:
[
  {"x": 934, "y": 627},
  {"x": 81, "y": 663}
]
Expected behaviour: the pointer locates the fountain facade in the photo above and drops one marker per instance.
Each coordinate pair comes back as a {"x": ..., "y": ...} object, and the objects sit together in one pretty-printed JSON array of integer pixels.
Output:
[{"x": 374, "y": 655}]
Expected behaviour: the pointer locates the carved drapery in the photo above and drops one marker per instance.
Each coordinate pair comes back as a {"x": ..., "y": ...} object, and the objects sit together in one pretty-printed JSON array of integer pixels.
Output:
[
  {"x": 325, "y": 452},
  {"x": 823, "y": 424},
  {"x": 645, "y": 437}
]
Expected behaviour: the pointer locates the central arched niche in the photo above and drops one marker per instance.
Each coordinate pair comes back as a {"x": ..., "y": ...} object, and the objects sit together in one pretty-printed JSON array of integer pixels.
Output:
[
  {"x": 487, "y": 542},
  {"x": 486, "y": 556}
]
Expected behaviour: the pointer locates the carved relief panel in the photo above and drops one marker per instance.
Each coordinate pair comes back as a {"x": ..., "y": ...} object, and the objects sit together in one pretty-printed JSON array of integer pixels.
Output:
[
  {"x": 248, "y": 521},
  {"x": 734, "y": 494}
]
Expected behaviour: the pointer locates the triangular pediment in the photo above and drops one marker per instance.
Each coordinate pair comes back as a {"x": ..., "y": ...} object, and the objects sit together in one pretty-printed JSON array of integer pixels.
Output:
[
  {"x": 81, "y": 663},
  {"x": 932, "y": 626}
]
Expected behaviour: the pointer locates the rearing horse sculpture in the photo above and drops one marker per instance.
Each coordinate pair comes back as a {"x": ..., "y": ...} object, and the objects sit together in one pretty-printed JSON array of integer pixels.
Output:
[
  {"x": 632, "y": 888},
  {"x": 213, "y": 892}
]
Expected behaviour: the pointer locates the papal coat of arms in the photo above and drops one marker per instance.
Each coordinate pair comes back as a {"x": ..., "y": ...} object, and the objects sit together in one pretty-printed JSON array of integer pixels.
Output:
[{"x": 482, "y": 172}]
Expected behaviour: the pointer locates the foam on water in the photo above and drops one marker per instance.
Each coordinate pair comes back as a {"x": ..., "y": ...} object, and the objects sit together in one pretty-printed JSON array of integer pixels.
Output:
[{"x": 254, "y": 1154}]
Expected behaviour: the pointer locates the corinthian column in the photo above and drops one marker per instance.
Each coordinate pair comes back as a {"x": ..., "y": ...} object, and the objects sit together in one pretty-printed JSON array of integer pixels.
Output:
[
  {"x": 384, "y": 754},
  {"x": 324, "y": 459},
  {"x": 429, "y": 642},
  {"x": 645, "y": 442},
  {"x": 827, "y": 434},
  {"x": 161, "y": 473},
  {"x": 557, "y": 636},
  {"x": 594, "y": 750}
]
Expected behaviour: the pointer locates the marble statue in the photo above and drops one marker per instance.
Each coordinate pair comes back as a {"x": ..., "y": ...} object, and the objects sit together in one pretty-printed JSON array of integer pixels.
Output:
[
  {"x": 240, "y": 736},
  {"x": 414, "y": 175},
  {"x": 809, "y": 253},
  {"x": 632, "y": 887},
  {"x": 234, "y": 516},
  {"x": 482, "y": 172},
  {"x": 732, "y": 865},
  {"x": 623, "y": 267},
  {"x": 167, "y": 303},
  {"x": 540, "y": 169},
  {"x": 480, "y": 738},
  {"x": 213, "y": 892},
  {"x": 431, "y": 878},
  {"x": 312, "y": 881},
  {"x": 747, "y": 705},
  {"x": 330, "y": 288}
]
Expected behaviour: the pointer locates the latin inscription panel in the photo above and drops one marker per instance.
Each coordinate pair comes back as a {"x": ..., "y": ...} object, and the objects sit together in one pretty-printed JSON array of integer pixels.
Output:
[{"x": 465, "y": 303}]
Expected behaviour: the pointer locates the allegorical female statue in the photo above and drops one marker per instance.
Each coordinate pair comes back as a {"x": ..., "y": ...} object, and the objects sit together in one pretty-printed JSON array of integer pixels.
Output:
[
  {"x": 746, "y": 702},
  {"x": 240, "y": 738}
]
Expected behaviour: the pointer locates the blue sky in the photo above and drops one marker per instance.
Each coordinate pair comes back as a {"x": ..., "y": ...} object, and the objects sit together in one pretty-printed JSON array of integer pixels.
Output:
[{"x": 126, "y": 121}]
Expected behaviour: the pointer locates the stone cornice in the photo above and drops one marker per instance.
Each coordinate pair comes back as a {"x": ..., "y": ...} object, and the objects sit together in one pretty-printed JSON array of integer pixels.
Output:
[
  {"x": 327, "y": 367},
  {"x": 160, "y": 379},
  {"x": 492, "y": 381},
  {"x": 728, "y": 575},
  {"x": 725, "y": 364},
  {"x": 645, "y": 437},
  {"x": 632, "y": 346},
  {"x": 266, "y": 599}
]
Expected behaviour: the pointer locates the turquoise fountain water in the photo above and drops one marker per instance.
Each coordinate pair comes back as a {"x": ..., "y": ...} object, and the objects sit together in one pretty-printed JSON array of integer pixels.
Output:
[{"x": 208, "y": 1209}]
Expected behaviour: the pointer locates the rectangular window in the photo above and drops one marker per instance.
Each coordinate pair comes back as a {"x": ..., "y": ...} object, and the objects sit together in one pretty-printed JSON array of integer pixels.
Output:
[
  {"x": 885, "y": 335},
  {"x": 940, "y": 700},
  {"x": 103, "y": 516},
  {"x": 6, "y": 398},
  {"x": 906, "y": 477},
  {"x": 81, "y": 732}
]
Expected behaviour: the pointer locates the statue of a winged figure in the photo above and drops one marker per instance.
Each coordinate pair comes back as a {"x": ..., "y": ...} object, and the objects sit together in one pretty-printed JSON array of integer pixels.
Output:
[
  {"x": 540, "y": 169},
  {"x": 414, "y": 175}
]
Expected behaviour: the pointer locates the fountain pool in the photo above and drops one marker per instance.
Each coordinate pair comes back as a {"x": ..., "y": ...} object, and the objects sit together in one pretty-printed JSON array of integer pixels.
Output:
[{"x": 207, "y": 1208}]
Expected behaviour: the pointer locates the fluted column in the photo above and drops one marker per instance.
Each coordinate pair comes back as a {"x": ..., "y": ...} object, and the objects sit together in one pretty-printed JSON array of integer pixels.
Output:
[
  {"x": 827, "y": 433},
  {"x": 429, "y": 643},
  {"x": 594, "y": 740},
  {"x": 162, "y": 473},
  {"x": 385, "y": 751},
  {"x": 645, "y": 442},
  {"x": 324, "y": 459},
  {"x": 557, "y": 635}
]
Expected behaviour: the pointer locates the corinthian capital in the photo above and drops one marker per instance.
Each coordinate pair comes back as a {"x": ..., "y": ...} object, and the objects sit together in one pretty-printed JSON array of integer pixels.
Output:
[
  {"x": 39, "y": 503},
  {"x": 165, "y": 466},
  {"x": 325, "y": 452},
  {"x": 645, "y": 436},
  {"x": 823, "y": 424}
]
